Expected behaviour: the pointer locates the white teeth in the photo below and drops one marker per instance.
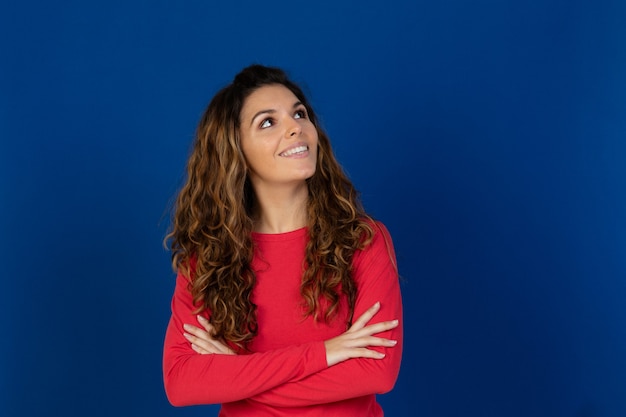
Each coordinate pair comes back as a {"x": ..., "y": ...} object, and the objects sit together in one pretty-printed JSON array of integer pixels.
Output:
[{"x": 298, "y": 149}]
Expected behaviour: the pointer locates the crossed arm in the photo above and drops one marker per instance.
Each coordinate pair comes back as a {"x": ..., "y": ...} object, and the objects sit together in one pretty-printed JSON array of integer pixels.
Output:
[{"x": 364, "y": 360}]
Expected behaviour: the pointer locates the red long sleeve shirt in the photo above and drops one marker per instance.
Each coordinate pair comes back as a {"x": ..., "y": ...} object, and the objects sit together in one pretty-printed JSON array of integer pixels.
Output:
[{"x": 286, "y": 374}]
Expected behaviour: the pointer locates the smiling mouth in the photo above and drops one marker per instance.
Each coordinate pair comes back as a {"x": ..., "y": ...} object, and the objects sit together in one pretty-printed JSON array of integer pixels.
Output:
[{"x": 295, "y": 151}]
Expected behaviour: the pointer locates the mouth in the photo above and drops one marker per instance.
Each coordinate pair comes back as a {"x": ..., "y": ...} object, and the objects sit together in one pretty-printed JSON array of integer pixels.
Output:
[{"x": 298, "y": 150}]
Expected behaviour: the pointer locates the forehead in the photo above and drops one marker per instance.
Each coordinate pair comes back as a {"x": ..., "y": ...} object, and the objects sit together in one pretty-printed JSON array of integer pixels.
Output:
[{"x": 268, "y": 97}]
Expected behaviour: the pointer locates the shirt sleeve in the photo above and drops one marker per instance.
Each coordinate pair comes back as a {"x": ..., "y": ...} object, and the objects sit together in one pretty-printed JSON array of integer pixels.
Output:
[
  {"x": 193, "y": 379},
  {"x": 375, "y": 272}
]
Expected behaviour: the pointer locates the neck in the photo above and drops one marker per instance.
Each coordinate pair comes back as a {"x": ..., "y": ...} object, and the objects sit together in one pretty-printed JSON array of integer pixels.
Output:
[{"x": 281, "y": 210}]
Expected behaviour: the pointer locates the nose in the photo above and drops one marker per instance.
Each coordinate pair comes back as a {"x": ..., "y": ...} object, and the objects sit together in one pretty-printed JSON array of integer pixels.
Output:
[{"x": 293, "y": 128}]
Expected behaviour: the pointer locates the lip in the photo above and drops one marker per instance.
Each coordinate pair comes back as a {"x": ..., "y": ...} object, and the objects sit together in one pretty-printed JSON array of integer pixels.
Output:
[{"x": 295, "y": 145}]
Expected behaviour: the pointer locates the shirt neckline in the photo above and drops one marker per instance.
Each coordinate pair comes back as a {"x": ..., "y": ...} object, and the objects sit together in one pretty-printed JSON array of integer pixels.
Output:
[{"x": 278, "y": 237}]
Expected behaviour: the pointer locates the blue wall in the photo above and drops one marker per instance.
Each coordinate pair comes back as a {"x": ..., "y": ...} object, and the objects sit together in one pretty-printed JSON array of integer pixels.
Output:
[{"x": 489, "y": 136}]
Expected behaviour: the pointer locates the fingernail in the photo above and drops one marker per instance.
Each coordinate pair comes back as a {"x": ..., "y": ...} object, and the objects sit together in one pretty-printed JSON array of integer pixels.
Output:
[
  {"x": 395, "y": 322},
  {"x": 201, "y": 318},
  {"x": 393, "y": 342},
  {"x": 186, "y": 326},
  {"x": 377, "y": 304},
  {"x": 381, "y": 355},
  {"x": 187, "y": 335}
]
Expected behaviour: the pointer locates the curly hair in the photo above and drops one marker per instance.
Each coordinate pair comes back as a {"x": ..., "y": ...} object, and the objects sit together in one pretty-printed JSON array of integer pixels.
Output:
[{"x": 210, "y": 234}]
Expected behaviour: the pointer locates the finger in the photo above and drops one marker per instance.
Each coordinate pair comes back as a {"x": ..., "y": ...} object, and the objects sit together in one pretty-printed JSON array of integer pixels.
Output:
[
  {"x": 200, "y": 337},
  {"x": 205, "y": 340},
  {"x": 206, "y": 345},
  {"x": 367, "y": 353},
  {"x": 365, "y": 342},
  {"x": 222, "y": 347},
  {"x": 365, "y": 317},
  {"x": 196, "y": 331},
  {"x": 199, "y": 350},
  {"x": 376, "y": 328},
  {"x": 219, "y": 344},
  {"x": 205, "y": 323}
]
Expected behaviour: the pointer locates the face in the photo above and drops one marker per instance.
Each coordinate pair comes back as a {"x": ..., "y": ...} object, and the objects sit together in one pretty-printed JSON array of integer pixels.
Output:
[{"x": 278, "y": 140}]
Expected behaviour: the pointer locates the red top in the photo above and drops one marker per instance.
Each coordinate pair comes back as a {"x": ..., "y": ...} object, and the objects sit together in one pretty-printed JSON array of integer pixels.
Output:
[{"x": 286, "y": 374}]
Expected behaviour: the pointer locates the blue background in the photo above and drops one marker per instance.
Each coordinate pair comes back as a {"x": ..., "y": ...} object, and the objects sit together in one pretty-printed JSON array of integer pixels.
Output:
[{"x": 488, "y": 135}]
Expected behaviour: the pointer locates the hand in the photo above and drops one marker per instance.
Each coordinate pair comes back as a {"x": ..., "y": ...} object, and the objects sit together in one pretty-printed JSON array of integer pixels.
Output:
[
  {"x": 354, "y": 343},
  {"x": 202, "y": 341}
]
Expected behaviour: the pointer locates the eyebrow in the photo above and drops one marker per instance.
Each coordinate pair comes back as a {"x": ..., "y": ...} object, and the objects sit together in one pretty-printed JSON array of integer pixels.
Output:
[{"x": 271, "y": 111}]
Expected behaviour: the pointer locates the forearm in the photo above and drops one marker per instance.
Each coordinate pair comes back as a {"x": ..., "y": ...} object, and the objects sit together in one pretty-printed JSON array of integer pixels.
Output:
[
  {"x": 193, "y": 379},
  {"x": 349, "y": 379}
]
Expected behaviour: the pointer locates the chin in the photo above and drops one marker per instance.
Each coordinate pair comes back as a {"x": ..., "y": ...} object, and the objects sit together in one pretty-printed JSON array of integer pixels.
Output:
[{"x": 309, "y": 174}]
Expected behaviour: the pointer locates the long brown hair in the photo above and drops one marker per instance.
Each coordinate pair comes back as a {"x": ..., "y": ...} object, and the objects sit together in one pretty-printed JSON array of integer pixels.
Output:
[{"x": 210, "y": 235}]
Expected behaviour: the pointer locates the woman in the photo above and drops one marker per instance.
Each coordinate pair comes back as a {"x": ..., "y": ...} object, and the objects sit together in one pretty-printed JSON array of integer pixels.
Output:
[{"x": 287, "y": 300}]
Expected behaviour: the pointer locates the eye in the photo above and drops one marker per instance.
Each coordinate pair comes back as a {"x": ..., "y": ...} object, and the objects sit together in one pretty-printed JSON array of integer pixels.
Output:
[
  {"x": 300, "y": 114},
  {"x": 266, "y": 123}
]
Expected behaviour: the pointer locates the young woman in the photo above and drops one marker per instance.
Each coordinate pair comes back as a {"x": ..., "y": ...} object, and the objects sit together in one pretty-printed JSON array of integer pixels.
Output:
[{"x": 287, "y": 301}]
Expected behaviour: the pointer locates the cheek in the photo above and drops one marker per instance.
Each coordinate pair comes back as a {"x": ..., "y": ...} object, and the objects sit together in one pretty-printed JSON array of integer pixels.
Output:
[
  {"x": 313, "y": 134},
  {"x": 250, "y": 149},
  {"x": 316, "y": 141}
]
